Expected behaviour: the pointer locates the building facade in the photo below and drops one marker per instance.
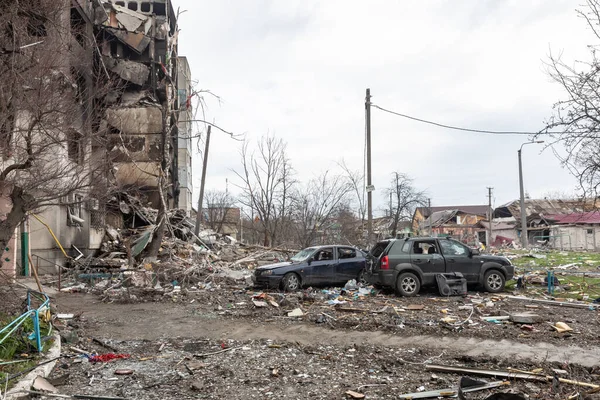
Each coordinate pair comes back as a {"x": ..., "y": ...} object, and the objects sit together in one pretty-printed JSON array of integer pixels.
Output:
[{"x": 123, "y": 69}]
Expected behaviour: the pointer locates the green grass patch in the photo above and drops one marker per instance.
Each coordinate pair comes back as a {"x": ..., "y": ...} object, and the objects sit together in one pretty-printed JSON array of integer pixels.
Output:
[
  {"x": 12, "y": 369},
  {"x": 585, "y": 261}
]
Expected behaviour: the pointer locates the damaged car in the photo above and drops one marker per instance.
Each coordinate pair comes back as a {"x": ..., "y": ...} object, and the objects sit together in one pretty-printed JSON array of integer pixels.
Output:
[
  {"x": 406, "y": 265},
  {"x": 314, "y": 266}
]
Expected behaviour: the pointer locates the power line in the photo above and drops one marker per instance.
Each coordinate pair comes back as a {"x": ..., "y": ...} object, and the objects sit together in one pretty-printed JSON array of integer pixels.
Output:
[{"x": 464, "y": 129}]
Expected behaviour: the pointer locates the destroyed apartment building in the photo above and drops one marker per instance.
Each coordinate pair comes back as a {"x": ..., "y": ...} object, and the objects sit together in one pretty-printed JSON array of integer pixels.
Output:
[{"x": 143, "y": 117}]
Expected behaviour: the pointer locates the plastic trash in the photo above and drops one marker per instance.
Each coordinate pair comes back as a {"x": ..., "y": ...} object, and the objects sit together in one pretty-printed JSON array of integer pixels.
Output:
[{"x": 351, "y": 285}]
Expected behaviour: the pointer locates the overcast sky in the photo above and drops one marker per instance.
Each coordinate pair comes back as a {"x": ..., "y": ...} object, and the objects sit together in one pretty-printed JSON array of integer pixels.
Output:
[{"x": 298, "y": 70}]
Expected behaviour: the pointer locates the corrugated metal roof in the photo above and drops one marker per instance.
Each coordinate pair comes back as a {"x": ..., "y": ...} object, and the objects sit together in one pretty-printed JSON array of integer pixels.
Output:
[
  {"x": 591, "y": 217},
  {"x": 544, "y": 207},
  {"x": 473, "y": 209}
]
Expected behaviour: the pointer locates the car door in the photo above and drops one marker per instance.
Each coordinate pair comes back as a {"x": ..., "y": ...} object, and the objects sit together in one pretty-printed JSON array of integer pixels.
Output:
[
  {"x": 323, "y": 266},
  {"x": 349, "y": 264},
  {"x": 459, "y": 259},
  {"x": 425, "y": 255}
]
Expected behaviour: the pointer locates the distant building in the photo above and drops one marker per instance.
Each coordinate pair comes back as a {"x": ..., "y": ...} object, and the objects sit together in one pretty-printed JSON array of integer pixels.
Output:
[
  {"x": 224, "y": 220},
  {"x": 541, "y": 215},
  {"x": 459, "y": 222}
]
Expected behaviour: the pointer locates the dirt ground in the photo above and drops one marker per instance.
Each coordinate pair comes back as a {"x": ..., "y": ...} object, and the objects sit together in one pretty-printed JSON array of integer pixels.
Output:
[{"x": 218, "y": 343}]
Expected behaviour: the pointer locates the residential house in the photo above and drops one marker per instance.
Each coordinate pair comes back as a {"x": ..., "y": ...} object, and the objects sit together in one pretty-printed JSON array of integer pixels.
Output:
[
  {"x": 576, "y": 231},
  {"x": 382, "y": 228},
  {"x": 541, "y": 214},
  {"x": 222, "y": 219},
  {"x": 459, "y": 222}
]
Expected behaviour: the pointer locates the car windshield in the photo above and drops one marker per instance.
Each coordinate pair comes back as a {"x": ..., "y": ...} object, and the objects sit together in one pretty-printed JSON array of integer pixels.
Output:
[{"x": 303, "y": 254}]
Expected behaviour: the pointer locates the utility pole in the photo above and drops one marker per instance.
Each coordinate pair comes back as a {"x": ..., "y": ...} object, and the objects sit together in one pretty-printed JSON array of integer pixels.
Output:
[
  {"x": 370, "y": 187},
  {"x": 430, "y": 217},
  {"x": 205, "y": 162},
  {"x": 522, "y": 203},
  {"x": 489, "y": 242},
  {"x": 524, "y": 238}
]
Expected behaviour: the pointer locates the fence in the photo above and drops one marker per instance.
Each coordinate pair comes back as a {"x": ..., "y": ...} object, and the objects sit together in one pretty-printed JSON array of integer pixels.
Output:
[{"x": 34, "y": 314}]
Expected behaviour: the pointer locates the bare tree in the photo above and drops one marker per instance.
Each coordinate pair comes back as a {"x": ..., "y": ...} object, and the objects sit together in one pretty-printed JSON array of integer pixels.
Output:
[
  {"x": 575, "y": 122},
  {"x": 316, "y": 205},
  {"x": 266, "y": 183},
  {"x": 219, "y": 204},
  {"x": 404, "y": 198},
  {"x": 349, "y": 226},
  {"x": 49, "y": 93},
  {"x": 356, "y": 180}
]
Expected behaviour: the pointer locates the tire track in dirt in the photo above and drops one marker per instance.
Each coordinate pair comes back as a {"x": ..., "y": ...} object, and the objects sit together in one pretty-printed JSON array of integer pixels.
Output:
[{"x": 154, "y": 321}]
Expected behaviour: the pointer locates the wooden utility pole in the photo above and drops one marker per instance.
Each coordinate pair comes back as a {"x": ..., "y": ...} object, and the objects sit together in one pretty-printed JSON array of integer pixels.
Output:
[
  {"x": 489, "y": 243},
  {"x": 205, "y": 162},
  {"x": 369, "y": 187}
]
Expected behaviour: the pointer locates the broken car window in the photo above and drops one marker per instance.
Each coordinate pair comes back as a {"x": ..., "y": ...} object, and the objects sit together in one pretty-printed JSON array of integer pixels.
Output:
[
  {"x": 424, "y": 247},
  {"x": 324, "y": 255},
  {"x": 303, "y": 254},
  {"x": 451, "y": 248},
  {"x": 378, "y": 249},
  {"x": 346, "y": 252}
]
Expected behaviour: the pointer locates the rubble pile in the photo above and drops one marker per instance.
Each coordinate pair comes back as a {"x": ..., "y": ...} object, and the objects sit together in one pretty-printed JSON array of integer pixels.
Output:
[
  {"x": 122, "y": 272},
  {"x": 364, "y": 308}
]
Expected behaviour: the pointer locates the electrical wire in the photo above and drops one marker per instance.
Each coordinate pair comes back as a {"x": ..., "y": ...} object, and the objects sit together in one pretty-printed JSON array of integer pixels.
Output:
[{"x": 541, "y": 132}]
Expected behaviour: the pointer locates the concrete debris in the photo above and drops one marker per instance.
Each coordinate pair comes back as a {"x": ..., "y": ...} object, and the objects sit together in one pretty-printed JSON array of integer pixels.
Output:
[
  {"x": 42, "y": 385},
  {"x": 128, "y": 19},
  {"x": 296, "y": 313},
  {"x": 130, "y": 71},
  {"x": 525, "y": 318},
  {"x": 135, "y": 40}
]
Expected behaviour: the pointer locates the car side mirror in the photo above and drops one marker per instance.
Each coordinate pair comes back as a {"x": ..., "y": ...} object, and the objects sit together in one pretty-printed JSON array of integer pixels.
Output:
[
  {"x": 475, "y": 252},
  {"x": 309, "y": 260}
]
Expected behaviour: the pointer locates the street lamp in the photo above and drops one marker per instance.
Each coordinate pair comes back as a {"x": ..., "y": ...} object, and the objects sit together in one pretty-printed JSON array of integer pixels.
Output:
[{"x": 523, "y": 213}]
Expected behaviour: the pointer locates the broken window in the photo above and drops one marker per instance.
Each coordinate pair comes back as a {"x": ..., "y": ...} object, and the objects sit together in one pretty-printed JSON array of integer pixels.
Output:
[
  {"x": 424, "y": 248},
  {"x": 160, "y": 9},
  {"x": 97, "y": 215},
  {"x": 120, "y": 3},
  {"x": 78, "y": 27},
  {"x": 74, "y": 210},
  {"x": 132, "y": 5},
  {"x": 75, "y": 147},
  {"x": 346, "y": 252},
  {"x": 590, "y": 231},
  {"x": 324, "y": 255},
  {"x": 146, "y": 7},
  {"x": 452, "y": 248}
]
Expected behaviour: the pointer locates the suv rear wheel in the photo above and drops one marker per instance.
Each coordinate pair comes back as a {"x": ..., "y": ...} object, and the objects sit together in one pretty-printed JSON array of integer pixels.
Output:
[
  {"x": 408, "y": 284},
  {"x": 493, "y": 281}
]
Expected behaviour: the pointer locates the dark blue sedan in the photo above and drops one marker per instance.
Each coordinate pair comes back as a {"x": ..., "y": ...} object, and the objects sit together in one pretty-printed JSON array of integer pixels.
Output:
[{"x": 314, "y": 266}]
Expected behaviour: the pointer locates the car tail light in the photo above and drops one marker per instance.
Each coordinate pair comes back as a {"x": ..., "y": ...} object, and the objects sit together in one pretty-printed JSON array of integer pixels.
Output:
[{"x": 385, "y": 262}]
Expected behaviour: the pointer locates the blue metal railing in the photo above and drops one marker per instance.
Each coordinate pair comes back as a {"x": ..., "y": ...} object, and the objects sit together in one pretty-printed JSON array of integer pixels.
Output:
[{"x": 34, "y": 313}]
